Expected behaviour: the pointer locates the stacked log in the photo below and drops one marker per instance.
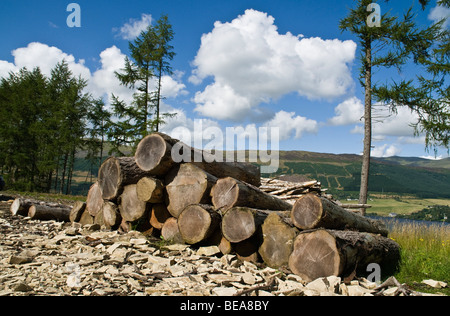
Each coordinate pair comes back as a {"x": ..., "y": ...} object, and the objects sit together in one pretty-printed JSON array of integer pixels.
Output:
[{"x": 199, "y": 201}]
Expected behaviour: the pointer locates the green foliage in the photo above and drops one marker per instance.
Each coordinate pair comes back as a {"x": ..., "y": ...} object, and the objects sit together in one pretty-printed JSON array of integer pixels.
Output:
[
  {"x": 425, "y": 253},
  {"x": 43, "y": 122},
  {"x": 151, "y": 54},
  {"x": 439, "y": 213}
]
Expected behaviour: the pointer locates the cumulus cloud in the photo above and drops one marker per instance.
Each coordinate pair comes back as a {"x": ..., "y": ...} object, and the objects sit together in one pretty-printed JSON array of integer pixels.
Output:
[
  {"x": 252, "y": 63},
  {"x": 438, "y": 13},
  {"x": 101, "y": 83},
  {"x": 134, "y": 27},
  {"x": 46, "y": 57},
  {"x": 290, "y": 125},
  {"x": 351, "y": 111},
  {"x": 385, "y": 151}
]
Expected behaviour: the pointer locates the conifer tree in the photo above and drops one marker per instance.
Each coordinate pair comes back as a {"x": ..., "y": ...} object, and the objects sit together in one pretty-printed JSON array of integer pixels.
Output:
[{"x": 393, "y": 42}]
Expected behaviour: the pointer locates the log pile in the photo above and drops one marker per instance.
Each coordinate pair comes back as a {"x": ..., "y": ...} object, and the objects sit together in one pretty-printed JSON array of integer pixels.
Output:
[{"x": 207, "y": 203}]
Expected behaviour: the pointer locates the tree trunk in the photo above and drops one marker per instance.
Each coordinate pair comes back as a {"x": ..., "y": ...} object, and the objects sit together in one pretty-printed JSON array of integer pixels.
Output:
[
  {"x": 150, "y": 190},
  {"x": 154, "y": 154},
  {"x": 197, "y": 223},
  {"x": 116, "y": 173},
  {"x": 278, "y": 239},
  {"x": 311, "y": 211},
  {"x": 131, "y": 208},
  {"x": 159, "y": 215},
  {"x": 94, "y": 200},
  {"x": 365, "y": 169},
  {"x": 185, "y": 185},
  {"x": 111, "y": 215},
  {"x": 170, "y": 231},
  {"x": 229, "y": 192},
  {"x": 77, "y": 211},
  {"x": 48, "y": 213},
  {"x": 241, "y": 223},
  {"x": 322, "y": 253}
]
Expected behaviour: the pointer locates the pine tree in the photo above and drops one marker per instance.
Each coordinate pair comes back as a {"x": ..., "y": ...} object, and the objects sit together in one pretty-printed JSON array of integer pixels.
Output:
[
  {"x": 392, "y": 43},
  {"x": 150, "y": 57},
  {"x": 162, "y": 56}
]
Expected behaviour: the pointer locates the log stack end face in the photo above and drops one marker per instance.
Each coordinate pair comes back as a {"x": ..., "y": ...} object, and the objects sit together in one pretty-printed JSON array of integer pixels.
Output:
[
  {"x": 238, "y": 224},
  {"x": 108, "y": 173},
  {"x": 315, "y": 255},
  {"x": 307, "y": 212},
  {"x": 150, "y": 152},
  {"x": 225, "y": 193}
]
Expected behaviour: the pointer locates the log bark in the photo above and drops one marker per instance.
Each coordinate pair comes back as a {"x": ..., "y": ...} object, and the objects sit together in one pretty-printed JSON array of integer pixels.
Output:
[
  {"x": 131, "y": 208},
  {"x": 111, "y": 215},
  {"x": 154, "y": 154},
  {"x": 322, "y": 253},
  {"x": 278, "y": 239},
  {"x": 77, "y": 211},
  {"x": 186, "y": 185},
  {"x": 94, "y": 200},
  {"x": 116, "y": 173},
  {"x": 170, "y": 231},
  {"x": 311, "y": 211},
  {"x": 241, "y": 223},
  {"x": 150, "y": 190},
  {"x": 197, "y": 223},
  {"x": 21, "y": 206},
  {"x": 159, "y": 215},
  {"x": 48, "y": 213},
  {"x": 229, "y": 192}
]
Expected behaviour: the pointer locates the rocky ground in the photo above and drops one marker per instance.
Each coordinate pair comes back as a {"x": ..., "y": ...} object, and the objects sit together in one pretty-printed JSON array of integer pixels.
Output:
[{"x": 51, "y": 258}]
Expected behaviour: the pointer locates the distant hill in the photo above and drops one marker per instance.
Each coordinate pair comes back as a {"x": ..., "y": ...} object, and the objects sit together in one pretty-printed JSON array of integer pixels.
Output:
[
  {"x": 394, "y": 175},
  {"x": 340, "y": 173}
]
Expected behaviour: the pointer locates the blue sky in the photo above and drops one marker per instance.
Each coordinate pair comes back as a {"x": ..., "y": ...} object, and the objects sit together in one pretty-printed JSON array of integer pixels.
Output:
[{"x": 242, "y": 63}]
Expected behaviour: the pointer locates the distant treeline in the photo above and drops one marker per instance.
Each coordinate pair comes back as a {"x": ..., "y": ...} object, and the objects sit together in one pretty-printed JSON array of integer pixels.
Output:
[{"x": 44, "y": 122}]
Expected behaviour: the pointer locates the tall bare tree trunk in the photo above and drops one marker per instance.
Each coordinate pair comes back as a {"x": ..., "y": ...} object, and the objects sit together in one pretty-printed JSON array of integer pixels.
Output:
[{"x": 367, "y": 126}]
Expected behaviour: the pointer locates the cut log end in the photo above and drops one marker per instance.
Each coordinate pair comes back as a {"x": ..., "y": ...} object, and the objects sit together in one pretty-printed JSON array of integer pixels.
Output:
[
  {"x": 109, "y": 176},
  {"x": 153, "y": 154},
  {"x": 225, "y": 193},
  {"x": 131, "y": 208},
  {"x": 307, "y": 211},
  {"x": 94, "y": 200},
  {"x": 196, "y": 223},
  {"x": 315, "y": 255},
  {"x": 187, "y": 185},
  {"x": 150, "y": 190},
  {"x": 239, "y": 224}
]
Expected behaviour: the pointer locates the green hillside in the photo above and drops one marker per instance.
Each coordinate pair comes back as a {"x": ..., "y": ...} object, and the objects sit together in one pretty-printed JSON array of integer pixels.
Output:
[{"x": 396, "y": 175}]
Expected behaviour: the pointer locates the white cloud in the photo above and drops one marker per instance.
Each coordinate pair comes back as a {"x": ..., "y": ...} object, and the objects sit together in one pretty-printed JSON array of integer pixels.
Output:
[
  {"x": 251, "y": 63},
  {"x": 351, "y": 111},
  {"x": 101, "y": 83},
  {"x": 391, "y": 124},
  {"x": 6, "y": 68},
  {"x": 438, "y": 13},
  {"x": 290, "y": 125},
  {"x": 104, "y": 81},
  {"x": 46, "y": 57},
  {"x": 385, "y": 151},
  {"x": 134, "y": 27}
]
